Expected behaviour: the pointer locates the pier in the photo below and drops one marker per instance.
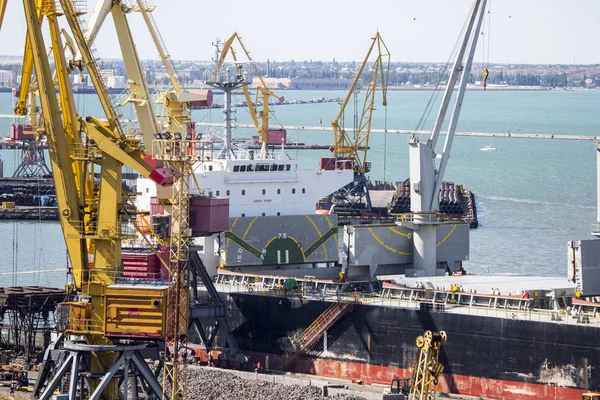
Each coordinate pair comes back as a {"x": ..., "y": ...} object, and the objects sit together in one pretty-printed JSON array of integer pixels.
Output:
[{"x": 514, "y": 135}]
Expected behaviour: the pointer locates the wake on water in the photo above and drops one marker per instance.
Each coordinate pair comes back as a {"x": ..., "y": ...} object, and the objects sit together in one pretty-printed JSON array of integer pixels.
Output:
[{"x": 530, "y": 201}]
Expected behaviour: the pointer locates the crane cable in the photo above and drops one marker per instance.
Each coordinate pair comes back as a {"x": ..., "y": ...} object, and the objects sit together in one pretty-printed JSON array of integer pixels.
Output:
[
  {"x": 385, "y": 135},
  {"x": 485, "y": 31},
  {"x": 437, "y": 90}
]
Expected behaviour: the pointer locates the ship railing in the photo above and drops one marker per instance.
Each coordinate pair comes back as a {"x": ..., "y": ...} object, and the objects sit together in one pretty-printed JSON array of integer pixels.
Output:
[
  {"x": 103, "y": 230},
  {"x": 507, "y": 307},
  {"x": 110, "y": 275},
  {"x": 307, "y": 287},
  {"x": 439, "y": 218}
]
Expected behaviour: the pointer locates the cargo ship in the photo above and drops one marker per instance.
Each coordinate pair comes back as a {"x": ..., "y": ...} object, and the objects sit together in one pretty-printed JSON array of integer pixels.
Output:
[
  {"x": 302, "y": 294},
  {"x": 509, "y": 336}
]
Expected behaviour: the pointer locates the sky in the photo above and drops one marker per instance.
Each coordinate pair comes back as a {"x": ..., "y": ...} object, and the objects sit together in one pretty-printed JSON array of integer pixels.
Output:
[{"x": 520, "y": 31}]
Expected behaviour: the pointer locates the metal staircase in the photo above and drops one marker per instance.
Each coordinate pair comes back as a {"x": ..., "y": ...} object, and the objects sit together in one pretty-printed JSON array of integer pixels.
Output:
[
  {"x": 311, "y": 335},
  {"x": 213, "y": 314}
]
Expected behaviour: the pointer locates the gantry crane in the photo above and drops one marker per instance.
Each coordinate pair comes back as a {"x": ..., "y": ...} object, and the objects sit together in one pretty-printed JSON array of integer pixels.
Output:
[
  {"x": 260, "y": 118},
  {"x": 176, "y": 103},
  {"x": 33, "y": 160},
  {"x": 427, "y": 369},
  {"x": 106, "y": 309},
  {"x": 350, "y": 151}
]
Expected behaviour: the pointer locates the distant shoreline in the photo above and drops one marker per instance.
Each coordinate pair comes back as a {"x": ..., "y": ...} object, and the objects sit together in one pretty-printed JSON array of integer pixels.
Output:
[{"x": 395, "y": 88}]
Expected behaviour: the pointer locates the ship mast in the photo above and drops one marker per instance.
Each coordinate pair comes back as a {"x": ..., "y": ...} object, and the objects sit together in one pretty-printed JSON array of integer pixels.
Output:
[
  {"x": 228, "y": 86},
  {"x": 425, "y": 176}
]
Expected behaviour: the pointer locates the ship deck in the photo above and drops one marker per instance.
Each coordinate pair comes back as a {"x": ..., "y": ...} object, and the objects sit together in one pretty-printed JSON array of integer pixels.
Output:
[{"x": 511, "y": 305}]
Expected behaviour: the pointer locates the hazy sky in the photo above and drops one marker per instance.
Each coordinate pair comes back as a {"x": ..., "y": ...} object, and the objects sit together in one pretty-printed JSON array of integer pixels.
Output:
[{"x": 521, "y": 31}]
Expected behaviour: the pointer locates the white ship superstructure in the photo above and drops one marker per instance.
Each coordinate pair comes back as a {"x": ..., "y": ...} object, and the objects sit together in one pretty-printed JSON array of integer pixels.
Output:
[
  {"x": 273, "y": 186},
  {"x": 265, "y": 183}
]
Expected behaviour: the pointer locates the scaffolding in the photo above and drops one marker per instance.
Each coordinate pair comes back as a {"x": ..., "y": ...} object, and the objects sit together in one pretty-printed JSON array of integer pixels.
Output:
[{"x": 27, "y": 313}]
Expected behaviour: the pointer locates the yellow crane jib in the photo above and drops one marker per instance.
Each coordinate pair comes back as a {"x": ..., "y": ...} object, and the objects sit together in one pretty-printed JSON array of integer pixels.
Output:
[
  {"x": 355, "y": 147},
  {"x": 427, "y": 369},
  {"x": 259, "y": 118}
]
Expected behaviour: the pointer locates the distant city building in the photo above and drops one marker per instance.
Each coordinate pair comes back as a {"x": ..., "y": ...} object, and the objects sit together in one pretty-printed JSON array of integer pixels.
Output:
[
  {"x": 273, "y": 83},
  {"x": 116, "y": 82},
  {"x": 7, "y": 78},
  {"x": 323, "y": 84},
  {"x": 106, "y": 73}
]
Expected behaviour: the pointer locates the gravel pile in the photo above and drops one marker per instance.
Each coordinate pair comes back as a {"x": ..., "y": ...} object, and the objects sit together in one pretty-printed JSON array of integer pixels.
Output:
[{"x": 210, "y": 383}]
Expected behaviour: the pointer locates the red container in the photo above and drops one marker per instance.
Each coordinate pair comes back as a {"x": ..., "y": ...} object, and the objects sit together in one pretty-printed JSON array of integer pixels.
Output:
[
  {"x": 327, "y": 163},
  {"x": 141, "y": 265},
  {"x": 332, "y": 163},
  {"x": 208, "y": 215},
  {"x": 155, "y": 207},
  {"x": 21, "y": 132},
  {"x": 202, "y": 103},
  {"x": 277, "y": 136}
]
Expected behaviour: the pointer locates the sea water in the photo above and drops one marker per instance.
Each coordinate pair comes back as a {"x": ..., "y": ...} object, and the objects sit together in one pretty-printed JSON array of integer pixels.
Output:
[{"x": 533, "y": 195}]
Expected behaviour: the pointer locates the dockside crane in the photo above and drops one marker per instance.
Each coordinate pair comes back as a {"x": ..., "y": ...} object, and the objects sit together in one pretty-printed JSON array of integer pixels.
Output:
[
  {"x": 116, "y": 318},
  {"x": 427, "y": 368},
  {"x": 260, "y": 118},
  {"x": 350, "y": 150},
  {"x": 426, "y": 175}
]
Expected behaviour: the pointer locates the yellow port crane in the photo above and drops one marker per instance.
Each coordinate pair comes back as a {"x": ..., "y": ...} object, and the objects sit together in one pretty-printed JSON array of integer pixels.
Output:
[
  {"x": 427, "y": 368},
  {"x": 116, "y": 318},
  {"x": 263, "y": 93},
  {"x": 350, "y": 151}
]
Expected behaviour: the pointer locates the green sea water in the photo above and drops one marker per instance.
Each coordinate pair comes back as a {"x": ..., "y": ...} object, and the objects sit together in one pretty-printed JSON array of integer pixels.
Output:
[{"x": 532, "y": 195}]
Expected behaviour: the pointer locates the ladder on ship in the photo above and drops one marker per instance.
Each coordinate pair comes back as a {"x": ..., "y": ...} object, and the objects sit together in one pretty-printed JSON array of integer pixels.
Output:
[{"x": 309, "y": 338}]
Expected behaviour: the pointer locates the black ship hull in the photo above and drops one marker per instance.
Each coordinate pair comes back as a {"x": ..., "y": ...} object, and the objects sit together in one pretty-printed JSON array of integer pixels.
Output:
[{"x": 498, "y": 358}]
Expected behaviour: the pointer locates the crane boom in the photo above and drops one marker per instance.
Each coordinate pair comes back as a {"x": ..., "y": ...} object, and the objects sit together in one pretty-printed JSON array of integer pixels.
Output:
[
  {"x": 425, "y": 176},
  {"x": 145, "y": 9},
  {"x": 259, "y": 118},
  {"x": 356, "y": 148},
  {"x": 90, "y": 217}
]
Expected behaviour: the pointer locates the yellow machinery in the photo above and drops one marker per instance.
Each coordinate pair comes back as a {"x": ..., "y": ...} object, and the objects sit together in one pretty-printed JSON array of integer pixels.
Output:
[
  {"x": 590, "y": 396},
  {"x": 350, "y": 151},
  {"x": 427, "y": 368},
  {"x": 105, "y": 309},
  {"x": 355, "y": 148},
  {"x": 263, "y": 93}
]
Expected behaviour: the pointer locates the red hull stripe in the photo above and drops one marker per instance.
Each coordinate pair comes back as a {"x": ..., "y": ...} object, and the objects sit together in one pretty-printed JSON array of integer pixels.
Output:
[{"x": 457, "y": 384}]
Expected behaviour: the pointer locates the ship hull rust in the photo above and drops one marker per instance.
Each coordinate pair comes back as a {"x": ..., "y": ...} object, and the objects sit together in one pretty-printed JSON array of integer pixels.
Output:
[{"x": 497, "y": 358}]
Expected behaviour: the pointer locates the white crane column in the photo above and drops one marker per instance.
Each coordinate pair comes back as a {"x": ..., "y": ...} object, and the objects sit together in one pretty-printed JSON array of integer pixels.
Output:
[{"x": 424, "y": 177}]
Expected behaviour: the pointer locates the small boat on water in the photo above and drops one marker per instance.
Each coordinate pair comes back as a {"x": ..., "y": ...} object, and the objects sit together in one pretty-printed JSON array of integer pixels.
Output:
[{"x": 489, "y": 147}]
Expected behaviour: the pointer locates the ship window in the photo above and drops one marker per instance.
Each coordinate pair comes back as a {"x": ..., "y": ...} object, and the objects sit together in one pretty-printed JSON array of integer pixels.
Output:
[
  {"x": 280, "y": 167},
  {"x": 243, "y": 192},
  {"x": 288, "y": 167},
  {"x": 147, "y": 190},
  {"x": 274, "y": 167},
  {"x": 264, "y": 191},
  {"x": 227, "y": 193},
  {"x": 217, "y": 193},
  {"x": 262, "y": 167},
  {"x": 243, "y": 215},
  {"x": 293, "y": 191},
  {"x": 210, "y": 167},
  {"x": 236, "y": 168},
  {"x": 263, "y": 214},
  {"x": 278, "y": 191},
  {"x": 278, "y": 214},
  {"x": 242, "y": 168},
  {"x": 303, "y": 190},
  {"x": 249, "y": 168}
]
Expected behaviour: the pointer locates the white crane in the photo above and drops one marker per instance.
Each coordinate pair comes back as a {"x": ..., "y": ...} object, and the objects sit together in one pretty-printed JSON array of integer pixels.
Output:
[{"x": 425, "y": 174}]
